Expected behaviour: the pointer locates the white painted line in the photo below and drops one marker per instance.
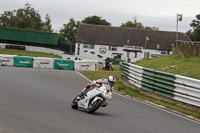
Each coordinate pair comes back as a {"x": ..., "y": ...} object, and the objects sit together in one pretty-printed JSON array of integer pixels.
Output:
[
  {"x": 83, "y": 76},
  {"x": 152, "y": 105}
]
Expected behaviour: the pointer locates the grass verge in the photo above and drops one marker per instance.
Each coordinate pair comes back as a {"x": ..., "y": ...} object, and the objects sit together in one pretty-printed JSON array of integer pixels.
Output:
[
  {"x": 27, "y": 53},
  {"x": 189, "y": 67},
  {"x": 126, "y": 88}
]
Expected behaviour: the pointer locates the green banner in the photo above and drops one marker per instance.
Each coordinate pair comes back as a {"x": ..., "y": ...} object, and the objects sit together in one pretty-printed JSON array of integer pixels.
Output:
[
  {"x": 64, "y": 64},
  {"x": 20, "y": 61}
]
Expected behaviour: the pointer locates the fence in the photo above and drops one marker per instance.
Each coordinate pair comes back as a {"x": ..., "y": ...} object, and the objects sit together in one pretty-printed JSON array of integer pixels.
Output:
[
  {"x": 17, "y": 35},
  {"x": 32, "y": 48},
  {"x": 187, "y": 49},
  {"x": 175, "y": 87}
]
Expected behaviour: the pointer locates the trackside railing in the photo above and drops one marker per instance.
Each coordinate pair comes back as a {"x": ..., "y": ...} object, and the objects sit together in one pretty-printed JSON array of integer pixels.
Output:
[{"x": 172, "y": 86}]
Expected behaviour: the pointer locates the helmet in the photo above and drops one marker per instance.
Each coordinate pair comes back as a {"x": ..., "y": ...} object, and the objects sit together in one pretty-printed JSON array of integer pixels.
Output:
[{"x": 111, "y": 80}]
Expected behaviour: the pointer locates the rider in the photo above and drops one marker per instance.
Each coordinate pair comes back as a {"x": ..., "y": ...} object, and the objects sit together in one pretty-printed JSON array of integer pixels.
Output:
[
  {"x": 108, "y": 64},
  {"x": 107, "y": 59},
  {"x": 109, "y": 82}
]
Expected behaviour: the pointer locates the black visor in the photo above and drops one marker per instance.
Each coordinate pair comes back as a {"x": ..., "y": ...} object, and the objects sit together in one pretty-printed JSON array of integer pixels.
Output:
[{"x": 111, "y": 83}]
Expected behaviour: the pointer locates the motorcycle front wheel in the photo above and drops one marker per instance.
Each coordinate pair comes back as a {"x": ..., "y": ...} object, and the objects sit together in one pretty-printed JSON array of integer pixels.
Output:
[
  {"x": 94, "y": 106},
  {"x": 74, "y": 103}
]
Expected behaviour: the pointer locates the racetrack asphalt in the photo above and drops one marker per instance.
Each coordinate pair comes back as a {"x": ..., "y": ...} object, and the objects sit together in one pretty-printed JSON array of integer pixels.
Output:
[{"x": 39, "y": 101}]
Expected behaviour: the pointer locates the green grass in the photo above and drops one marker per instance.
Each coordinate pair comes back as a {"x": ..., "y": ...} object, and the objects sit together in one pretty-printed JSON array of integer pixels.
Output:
[
  {"x": 27, "y": 53},
  {"x": 189, "y": 67},
  {"x": 94, "y": 75},
  {"x": 125, "y": 89}
]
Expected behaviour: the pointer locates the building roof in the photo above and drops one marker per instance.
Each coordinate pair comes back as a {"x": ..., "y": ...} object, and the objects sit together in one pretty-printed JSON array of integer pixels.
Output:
[{"x": 120, "y": 36}]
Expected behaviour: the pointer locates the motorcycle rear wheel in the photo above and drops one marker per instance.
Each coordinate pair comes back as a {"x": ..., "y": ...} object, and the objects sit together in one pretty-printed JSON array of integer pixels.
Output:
[{"x": 93, "y": 107}]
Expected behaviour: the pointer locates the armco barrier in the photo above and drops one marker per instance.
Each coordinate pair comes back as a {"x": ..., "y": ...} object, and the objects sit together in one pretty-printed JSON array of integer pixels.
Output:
[
  {"x": 158, "y": 82},
  {"x": 2, "y": 46},
  {"x": 133, "y": 73},
  {"x": 15, "y": 47},
  {"x": 187, "y": 90},
  {"x": 32, "y": 48},
  {"x": 45, "y": 50},
  {"x": 176, "y": 87}
]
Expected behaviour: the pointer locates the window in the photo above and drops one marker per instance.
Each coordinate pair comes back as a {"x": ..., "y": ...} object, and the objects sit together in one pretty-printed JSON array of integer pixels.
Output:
[
  {"x": 163, "y": 52},
  {"x": 117, "y": 56},
  {"x": 128, "y": 47},
  {"x": 137, "y": 48},
  {"x": 113, "y": 48},
  {"x": 85, "y": 46},
  {"x": 133, "y": 47},
  {"x": 88, "y": 46}
]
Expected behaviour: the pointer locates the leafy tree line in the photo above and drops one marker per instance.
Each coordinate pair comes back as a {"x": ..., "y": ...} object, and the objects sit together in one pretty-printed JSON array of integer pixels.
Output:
[
  {"x": 25, "y": 18},
  {"x": 194, "y": 34},
  {"x": 137, "y": 25},
  {"x": 28, "y": 18}
]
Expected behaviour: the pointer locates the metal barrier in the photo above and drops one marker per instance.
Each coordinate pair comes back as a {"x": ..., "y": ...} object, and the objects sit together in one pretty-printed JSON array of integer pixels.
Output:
[
  {"x": 133, "y": 73},
  {"x": 187, "y": 90},
  {"x": 176, "y": 87},
  {"x": 158, "y": 82}
]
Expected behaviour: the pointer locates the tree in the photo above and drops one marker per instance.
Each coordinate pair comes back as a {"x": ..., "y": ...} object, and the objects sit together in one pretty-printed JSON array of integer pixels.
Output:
[
  {"x": 195, "y": 33},
  {"x": 69, "y": 31},
  {"x": 28, "y": 18},
  {"x": 130, "y": 24},
  {"x": 96, "y": 20},
  {"x": 151, "y": 28},
  {"x": 47, "y": 24},
  {"x": 137, "y": 25},
  {"x": 7, "y": 19},
  {"x": 190, "y": 33},
  {"x": 25, "y": 18}
]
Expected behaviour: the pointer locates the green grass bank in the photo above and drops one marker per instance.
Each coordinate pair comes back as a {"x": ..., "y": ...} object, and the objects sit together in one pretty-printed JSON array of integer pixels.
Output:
[{"x": 189, "y": 67}]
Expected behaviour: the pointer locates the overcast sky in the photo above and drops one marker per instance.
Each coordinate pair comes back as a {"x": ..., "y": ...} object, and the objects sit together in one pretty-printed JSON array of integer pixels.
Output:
[{"x": 158, "y": 13}]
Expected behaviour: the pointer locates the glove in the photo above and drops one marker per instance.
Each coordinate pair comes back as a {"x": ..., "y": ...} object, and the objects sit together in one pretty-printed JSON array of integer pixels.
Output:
[{"x": 88, "y": 86}]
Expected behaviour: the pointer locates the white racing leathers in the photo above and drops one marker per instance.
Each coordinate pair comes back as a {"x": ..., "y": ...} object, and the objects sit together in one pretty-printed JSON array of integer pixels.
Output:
[{"x": 98, "y": 83}]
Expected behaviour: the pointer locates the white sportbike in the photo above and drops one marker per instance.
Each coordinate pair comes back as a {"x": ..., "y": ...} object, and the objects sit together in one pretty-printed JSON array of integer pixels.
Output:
[{"x": 93, "y": 99}]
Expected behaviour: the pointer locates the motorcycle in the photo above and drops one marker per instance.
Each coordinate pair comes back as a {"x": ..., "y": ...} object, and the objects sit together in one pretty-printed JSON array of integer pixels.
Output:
[
  {"x": 108, "y": 65},
  {"x": 93, "y": 99}
]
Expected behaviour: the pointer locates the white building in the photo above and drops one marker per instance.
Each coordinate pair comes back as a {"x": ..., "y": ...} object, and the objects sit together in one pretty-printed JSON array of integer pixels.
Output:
[{"x": 99, "y": 42}]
